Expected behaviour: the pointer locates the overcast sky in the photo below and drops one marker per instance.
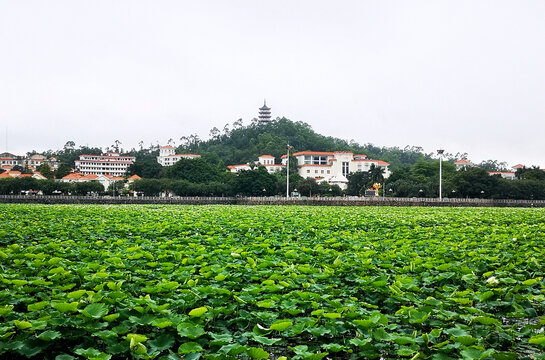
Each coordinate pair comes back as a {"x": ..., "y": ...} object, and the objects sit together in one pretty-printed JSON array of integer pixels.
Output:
[{"x": 466, "y": 76}]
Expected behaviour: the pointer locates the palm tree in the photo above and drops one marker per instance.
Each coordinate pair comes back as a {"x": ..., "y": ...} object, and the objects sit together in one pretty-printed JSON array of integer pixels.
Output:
[{"x": 377, "y": 173}]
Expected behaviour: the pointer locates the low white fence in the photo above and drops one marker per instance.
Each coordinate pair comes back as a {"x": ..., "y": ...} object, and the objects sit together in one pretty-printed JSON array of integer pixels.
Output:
[{"x": 272, "y": 200}]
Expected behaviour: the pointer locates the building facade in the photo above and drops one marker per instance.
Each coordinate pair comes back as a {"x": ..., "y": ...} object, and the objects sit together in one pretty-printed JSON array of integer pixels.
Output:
[
  {"x": 504, "y": 174},
  {"x": 266, "y": 161},
  {"x": 334, "y": 167},
  {"x": 463, "y": 164},
  {"x": 110, "y": 164},
  {"x": 168, "y": 157}
]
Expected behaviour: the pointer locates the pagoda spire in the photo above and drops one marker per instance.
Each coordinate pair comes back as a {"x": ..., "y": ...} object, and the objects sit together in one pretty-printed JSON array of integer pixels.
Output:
[{"x": 264, "y": 113}]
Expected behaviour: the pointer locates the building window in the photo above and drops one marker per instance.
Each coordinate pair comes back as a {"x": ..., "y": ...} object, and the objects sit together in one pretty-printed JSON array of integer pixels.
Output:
[
  {"x": 345, "y": 168},
  {"x": 308, "y": 171},
  {"x": 316, "y": 159}
]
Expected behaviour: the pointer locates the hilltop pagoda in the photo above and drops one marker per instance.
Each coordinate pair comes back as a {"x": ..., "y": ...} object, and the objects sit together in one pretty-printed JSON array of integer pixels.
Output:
[{"x": 264, "y": 113}]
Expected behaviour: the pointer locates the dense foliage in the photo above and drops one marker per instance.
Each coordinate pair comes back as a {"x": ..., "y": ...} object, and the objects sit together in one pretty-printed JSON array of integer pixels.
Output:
[
  {"x": 422, "y": 180},
  {"x": 241, "y": 144},
  {"x": 15, "y": 186},
  {"x": 100, "y": 282}
]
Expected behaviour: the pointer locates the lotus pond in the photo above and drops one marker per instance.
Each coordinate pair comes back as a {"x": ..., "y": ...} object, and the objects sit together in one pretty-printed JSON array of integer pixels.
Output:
[{"x": 219, "y": 282}]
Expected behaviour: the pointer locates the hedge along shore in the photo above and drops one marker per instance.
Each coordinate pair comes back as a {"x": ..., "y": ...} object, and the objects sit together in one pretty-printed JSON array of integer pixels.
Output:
[{"x": 315, "y": 201}]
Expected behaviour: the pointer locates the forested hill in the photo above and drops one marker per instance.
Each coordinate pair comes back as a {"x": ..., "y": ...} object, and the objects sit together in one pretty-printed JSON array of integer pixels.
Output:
[{"x": 241, "y": 144}]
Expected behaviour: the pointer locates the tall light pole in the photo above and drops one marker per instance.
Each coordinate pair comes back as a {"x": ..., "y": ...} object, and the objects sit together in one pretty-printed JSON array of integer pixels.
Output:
[
  {"x": 288, "y": 173},
  {"x": 440, "y": 153}
]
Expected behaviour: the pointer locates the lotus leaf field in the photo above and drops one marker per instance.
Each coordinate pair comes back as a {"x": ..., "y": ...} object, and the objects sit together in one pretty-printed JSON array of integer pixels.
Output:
[{"x": 220, "y": 282}]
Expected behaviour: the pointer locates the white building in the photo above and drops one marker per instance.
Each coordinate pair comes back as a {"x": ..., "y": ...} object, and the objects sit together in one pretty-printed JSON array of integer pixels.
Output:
[
  {"x": 168, "y": 157},
  {"x": 266, "y": 161},
  {"x": 504, "y": 174},
  {"x": 463, "y": 164},
  {"x": 334, "y": 167},
  {"x": 33, "y": 162},
  {"x": 110, "y": 164}
]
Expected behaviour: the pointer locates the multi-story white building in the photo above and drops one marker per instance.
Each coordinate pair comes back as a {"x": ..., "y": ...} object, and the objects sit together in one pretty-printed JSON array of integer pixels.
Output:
[
  {"x": 110, "y": 164},
  {"x": 463, "y": 164},
  {"x": 504, "y": 174},
  {"x": 265, "y": 160},
  {"x": 334, "y": 167},
  {"x": 8, "y": 161},
  {"x": 168, "y": 157}
]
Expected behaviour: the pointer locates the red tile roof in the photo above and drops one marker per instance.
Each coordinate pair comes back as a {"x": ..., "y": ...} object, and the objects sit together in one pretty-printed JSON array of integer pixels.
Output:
[
  {"x": 109, "y": 162},
  {"x": 462, "y": 161},
  {"x": 312, "y": 153},
  {"x": 184, "y": 155},
  {"x": 9, "y": 173},
  {"x": 111, "y": 177},
  {"x": 80, "y": 176},
  {"x": 134, "y": 177},
  {"x": 366, "y": 160},
  {"x": 267, "y": 156}
]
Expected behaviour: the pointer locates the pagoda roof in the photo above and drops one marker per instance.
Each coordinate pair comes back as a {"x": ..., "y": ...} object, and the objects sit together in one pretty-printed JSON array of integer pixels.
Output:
[{"x": 265, "y": 107}]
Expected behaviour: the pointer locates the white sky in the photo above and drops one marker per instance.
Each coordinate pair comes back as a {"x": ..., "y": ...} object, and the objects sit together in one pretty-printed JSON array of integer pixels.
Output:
[{"x": 466, "y": 76}]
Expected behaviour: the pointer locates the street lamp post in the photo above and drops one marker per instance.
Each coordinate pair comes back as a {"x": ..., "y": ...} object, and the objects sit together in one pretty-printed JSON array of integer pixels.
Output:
[
  {"x": 440, "y": 153},
  {"x": 288, "y": 173}
]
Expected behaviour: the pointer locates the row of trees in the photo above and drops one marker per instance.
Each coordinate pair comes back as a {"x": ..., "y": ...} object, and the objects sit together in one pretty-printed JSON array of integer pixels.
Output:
[
  {"x": 197, "y": 177},
  {"x": 49, "y": 187},
  {"x": 422, "y": 180}
]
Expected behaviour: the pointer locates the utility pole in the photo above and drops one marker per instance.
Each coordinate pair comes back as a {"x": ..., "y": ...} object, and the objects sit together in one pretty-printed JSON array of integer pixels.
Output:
[
  {"x": 288, "y": 173},
  {"x": 440, "y": 153}
]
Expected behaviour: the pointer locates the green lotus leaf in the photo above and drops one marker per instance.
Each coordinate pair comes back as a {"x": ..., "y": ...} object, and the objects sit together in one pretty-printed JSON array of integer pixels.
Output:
[
  {"x": 190, "y": 330},
  {"x": 66, "y": 307},
  {"x": 22, "y": 325},
  {"x": 49, "y": 335},
  {"x": 281, "y": 325},
  {"x": 198, "y": 312},
  {"x": 37, "y": 306},
  {"x": 189, "y": 347},
  {"x": 95, "y": 310},
  {"x": 257, "y": 353}
]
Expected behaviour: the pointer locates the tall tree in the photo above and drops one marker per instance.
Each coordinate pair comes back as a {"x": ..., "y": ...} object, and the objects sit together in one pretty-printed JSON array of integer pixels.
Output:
[
  {"x": 62, "y": 170},
  {"x": 45, "y": 170}
]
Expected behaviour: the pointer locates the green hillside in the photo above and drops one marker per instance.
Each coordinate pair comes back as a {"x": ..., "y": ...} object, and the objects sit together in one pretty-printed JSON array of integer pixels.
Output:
[{"x": 242, "y": 144}]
